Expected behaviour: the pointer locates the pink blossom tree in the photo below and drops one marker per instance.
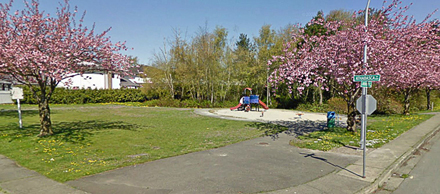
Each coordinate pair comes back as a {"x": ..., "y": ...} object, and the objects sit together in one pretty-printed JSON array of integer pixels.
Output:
[
  {"x": 39, "y": 51},
  {"x": 394, "y": 48},
  {"x": 433, "y": 82},
  {"x": 412, "y": 56},
  {"x": 333, "y": 58}
]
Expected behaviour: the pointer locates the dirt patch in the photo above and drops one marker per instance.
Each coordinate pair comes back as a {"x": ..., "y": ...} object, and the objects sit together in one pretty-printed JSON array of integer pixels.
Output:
[
  {"x": 405, "y": 163},
  {"x": 417, "y": 153}
]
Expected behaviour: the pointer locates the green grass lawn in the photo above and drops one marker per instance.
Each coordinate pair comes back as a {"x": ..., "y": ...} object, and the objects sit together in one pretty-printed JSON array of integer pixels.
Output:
[
  {"x": 381, "y": 129},
  {"x": 90, "y": 139},
  {"x": 94, "y": 138}
]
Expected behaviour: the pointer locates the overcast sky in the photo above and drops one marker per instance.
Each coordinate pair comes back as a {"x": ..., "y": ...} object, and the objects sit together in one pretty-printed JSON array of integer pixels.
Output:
[{"x": 146, "y": 24}]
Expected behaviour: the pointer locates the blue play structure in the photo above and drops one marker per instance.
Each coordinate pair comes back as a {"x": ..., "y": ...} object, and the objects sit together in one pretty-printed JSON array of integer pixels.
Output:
[{"x": 247, "y": 103}]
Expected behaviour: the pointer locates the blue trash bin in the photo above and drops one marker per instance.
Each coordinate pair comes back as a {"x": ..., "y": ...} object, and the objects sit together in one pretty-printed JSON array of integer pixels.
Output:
[{"x": 331, "y": 115}]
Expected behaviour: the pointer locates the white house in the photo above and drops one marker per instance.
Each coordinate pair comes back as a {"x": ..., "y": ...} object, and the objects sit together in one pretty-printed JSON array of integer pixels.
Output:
[
  {"x": 101, "y": 80},
  {"x": 96, "y": 80},
  {"x": 5, "y": 93}
]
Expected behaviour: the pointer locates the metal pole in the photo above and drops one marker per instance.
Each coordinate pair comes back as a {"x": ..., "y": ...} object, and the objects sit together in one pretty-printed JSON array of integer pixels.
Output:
[
  {"x": 364, "y": 99},
  {"x": 267, "y": 87},
  {"x": 364, "y": 127},
  {"x": 19, "y": 114}
]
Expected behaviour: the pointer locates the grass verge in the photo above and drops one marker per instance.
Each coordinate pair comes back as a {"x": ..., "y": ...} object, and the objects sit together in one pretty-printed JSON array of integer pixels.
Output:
[
  {"x": 90, "y": 139},
  {"x": 380, "y": 130}
]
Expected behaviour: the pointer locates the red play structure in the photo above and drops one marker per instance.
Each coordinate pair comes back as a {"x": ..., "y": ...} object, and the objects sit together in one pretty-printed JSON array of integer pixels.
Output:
[{"x": 248, "y": 102}]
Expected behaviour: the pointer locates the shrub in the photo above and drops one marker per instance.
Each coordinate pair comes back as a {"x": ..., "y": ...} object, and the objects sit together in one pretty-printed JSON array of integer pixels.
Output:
[
  {"x": 314, "y": 107},
  {"x": 83, "y": 96},
  {"x": 187, "y": 103},
  {"x": 338, "y": 105},
  {"x": 388, "y": 100}
]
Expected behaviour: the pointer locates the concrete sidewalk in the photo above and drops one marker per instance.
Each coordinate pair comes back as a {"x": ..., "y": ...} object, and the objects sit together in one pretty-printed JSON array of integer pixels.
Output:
[
  {"x": 380, "y": 163},
  {"x": 259, "y": 165},
  {"x": 15, "y": 179}
]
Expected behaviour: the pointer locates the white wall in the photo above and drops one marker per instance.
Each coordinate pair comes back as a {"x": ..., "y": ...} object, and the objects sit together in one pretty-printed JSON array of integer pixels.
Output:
[
  {"x": 139, "y": 80},
  {"x": 116, "y": 82},
  {"x": 90, "y": 80}
]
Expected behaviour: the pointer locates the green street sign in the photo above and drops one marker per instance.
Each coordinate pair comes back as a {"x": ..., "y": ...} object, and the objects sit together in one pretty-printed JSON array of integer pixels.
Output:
[
  {"x": 366, "y": 78},
  {"x": 366, "y": 84}
]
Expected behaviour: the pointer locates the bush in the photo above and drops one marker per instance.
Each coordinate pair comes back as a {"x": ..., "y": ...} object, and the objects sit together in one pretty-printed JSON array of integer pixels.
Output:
[
  {"x": 314, "y": 107},
  {"x": 388, "y": 100},
  {"x": 338, "y": 105},
  {"x": 286, "y": 102},
  {"x": 83, "y": 96},
  {"x": 188, "y": 103},
  {"x": 436, "y": 100}
]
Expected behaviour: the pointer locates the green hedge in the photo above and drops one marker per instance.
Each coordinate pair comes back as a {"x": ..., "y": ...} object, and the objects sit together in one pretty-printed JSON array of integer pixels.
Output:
[
  {"x": 187, "y": 103},
  {"x": 84, "y": 96}
]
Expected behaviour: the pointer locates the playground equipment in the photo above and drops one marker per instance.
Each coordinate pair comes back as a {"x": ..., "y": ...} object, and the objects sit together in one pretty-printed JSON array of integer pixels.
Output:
[{"x": 247, "y": 103}]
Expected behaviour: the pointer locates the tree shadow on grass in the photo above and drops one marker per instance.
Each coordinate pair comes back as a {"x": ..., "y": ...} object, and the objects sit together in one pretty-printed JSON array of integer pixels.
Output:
[
  {"x": 74, "y": 132},
  {"x": 13, "y": 131},
  {"x": 293, "y": 128},
  {"x": 79, "y": 131},
  {"x": 14, "y": 113}
]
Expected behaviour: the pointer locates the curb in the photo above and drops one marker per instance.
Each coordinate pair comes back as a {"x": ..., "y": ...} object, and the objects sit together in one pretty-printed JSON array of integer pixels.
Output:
[{"x": 387, "y": 173}]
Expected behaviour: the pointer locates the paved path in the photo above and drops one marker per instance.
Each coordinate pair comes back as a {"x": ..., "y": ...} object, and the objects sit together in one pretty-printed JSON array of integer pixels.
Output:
[
  {"x": 19, "y": 180},
  {"x": 271, "y": 115},
  {"x": 261, "y": 164}
]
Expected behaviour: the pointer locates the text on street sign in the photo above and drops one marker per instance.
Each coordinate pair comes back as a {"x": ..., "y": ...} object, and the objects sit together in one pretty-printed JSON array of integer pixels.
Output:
[
  {"x": 366, "y": 84},
  {"x": 364, "y": 78}
]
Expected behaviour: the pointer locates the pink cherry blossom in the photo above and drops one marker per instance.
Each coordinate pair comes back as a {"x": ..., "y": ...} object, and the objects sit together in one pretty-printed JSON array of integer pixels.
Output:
[
  {"x": 403, "y": 52},
  {"x": 39, "y": 51}
]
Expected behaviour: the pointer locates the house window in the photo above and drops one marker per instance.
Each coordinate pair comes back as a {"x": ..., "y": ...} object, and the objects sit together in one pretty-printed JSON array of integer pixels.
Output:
[{"x": 6, "y": 87}]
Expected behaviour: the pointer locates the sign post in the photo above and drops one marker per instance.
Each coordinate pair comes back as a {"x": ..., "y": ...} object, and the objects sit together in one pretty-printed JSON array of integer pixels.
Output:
[
  {"x": 17, "y": 94},
  {"x": 366, "y": 105},
  {"x": 364, "y": 90}
]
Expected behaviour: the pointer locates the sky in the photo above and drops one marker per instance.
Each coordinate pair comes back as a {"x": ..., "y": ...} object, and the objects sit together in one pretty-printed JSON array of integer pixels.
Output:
[{"x": 146, "y": 25}]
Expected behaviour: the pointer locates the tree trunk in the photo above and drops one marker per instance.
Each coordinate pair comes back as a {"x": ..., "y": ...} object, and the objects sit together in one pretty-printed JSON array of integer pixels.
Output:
[
  {"x": 307, "y": 94},
  {"x": 212, "y": 93},
  {"x": 406, "y": 101},
  {"x": 351, "y": 117},
  {"x": 428, "y": 98},
  {"x": 45, "y": 121},
  {"x": 171, "y": 84},
  {"x": 320, "y": 94},
  {"x": 183, "y": 93}
]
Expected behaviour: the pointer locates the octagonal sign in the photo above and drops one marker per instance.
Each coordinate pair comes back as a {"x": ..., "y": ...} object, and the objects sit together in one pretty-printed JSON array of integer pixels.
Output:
[{"x": 370, "y": 106}]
